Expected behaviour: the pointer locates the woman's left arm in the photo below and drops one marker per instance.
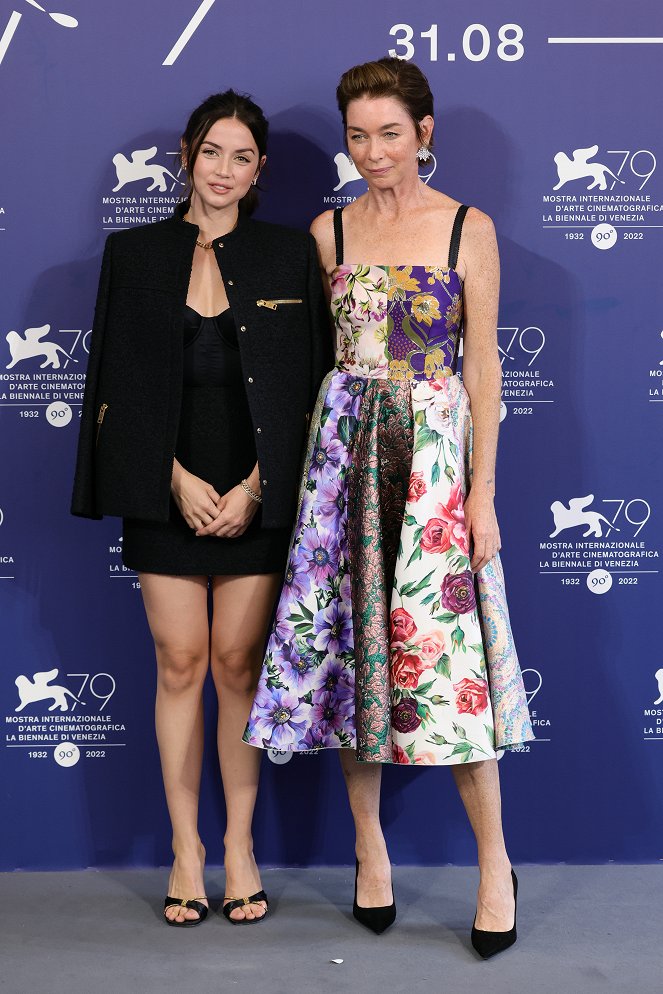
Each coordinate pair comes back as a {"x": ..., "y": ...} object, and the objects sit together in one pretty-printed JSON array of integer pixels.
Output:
[
  {"x": 321, "y": 329},
  {"x": 482, "y": 376}
]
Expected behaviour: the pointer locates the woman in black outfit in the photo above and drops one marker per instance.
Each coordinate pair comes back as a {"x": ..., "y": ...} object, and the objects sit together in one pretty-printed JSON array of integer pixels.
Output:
[{"x": 209, "y": 343}]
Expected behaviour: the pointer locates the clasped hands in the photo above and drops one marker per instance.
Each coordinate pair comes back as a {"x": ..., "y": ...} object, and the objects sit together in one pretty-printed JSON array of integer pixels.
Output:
[{"x": 206, "y": 511}]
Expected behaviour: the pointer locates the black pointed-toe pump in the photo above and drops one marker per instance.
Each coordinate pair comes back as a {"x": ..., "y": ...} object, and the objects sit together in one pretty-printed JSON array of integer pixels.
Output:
[
  {"x": 487, "y": 944},
  {"x": 377, "y": 919}
]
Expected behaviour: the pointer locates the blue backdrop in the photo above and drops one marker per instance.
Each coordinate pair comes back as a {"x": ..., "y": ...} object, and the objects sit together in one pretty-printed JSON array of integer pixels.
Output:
[{"x": 559, "y": 142}]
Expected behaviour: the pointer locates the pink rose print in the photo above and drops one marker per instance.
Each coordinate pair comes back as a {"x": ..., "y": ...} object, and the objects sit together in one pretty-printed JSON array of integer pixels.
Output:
[
  {"x": 431, "y": 646},
  {"x": 417, "y": 487},
  {"x": 402, "y": 625},
  {"x": 436, "y": 536},
  {"x": 407, "y": 667},
  {"x": 471, "y": 696},
  {"x": 452, "y": 516}
]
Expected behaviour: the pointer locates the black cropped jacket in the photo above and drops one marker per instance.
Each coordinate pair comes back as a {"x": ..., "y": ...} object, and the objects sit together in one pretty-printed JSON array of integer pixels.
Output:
[{"x": 131, "y": 408}]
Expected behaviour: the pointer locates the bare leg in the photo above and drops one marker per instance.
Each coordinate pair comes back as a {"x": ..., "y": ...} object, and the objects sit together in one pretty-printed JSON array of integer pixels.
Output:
[
  {"x": 363, "y": 783},
  {"x": 176, "y": 608},
  {"x": 479, "y": 787},
  {"x": 242, "y": 609}
]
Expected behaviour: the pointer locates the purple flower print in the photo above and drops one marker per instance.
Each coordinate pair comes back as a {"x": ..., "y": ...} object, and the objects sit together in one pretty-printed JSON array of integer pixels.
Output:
[
  {"x": 404, "y": 716},
  {"x": 279, "y": 719},
  {"x": 344, "y": 394},
  {"x": 320, "y": 549},
  {"x": 330, "y": 502},
  {"x": 298, "y": 670},
  {"x": 331, "y": 711},
  {"x": 333, "y": 629},
  {"x": 330, "y": 675},
  {"x": 316, "y": 738},
  {"x": 458, "y": 592},
  {"x": 297, "y": 580},
  {"x": 284, "y": 629},
  {"x": 328, "y": 452}
]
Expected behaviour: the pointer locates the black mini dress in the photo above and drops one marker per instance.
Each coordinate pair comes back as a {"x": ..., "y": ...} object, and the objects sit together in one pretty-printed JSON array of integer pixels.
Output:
[{"x": 215, "y": 442}]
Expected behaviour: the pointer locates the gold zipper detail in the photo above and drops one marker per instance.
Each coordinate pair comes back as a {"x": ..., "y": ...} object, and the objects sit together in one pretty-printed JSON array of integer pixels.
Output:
[
  {"x": 273, "y": 304},
  {"x": 100, "y": 419}
]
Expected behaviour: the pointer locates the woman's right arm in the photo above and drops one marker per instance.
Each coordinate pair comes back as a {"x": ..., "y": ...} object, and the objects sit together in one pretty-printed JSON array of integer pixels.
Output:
[{"x": 83, "y": 500}]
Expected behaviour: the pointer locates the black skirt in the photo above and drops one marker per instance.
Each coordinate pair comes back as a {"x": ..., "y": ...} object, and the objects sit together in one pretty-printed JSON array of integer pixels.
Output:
[{"x": 216, "y": 443}]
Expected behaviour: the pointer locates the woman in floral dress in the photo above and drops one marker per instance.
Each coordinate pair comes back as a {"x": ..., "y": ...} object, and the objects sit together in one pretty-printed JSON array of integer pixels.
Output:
[{"x": 392, "y": 636}]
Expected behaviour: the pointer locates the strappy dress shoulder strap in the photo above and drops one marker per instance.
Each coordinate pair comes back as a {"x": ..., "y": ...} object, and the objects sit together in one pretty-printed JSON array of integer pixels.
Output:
[
  {"x": 454, "y": 244},
  {"x": 338, "y": 234}
]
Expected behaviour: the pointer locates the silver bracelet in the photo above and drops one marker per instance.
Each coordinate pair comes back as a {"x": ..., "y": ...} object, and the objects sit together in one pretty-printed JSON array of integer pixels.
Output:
[{"x": 252, "y": 494}]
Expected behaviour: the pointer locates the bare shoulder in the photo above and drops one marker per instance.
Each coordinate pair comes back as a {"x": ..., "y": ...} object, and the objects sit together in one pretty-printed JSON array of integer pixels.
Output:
[
  {"x": 322, "y": 229},
  {"x": 478, "y": 255},
  {"x": 478, "y": 227}
]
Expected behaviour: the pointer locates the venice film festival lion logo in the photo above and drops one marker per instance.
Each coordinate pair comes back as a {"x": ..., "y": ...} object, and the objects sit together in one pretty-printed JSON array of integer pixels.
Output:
[
  {"x": 138, "y": 167},
  {"x": 40, "y": 689},
  {"x": 577, "y": 515},
  {"x": 33, "y": 346},
  {"x": 578, "y": 166}
]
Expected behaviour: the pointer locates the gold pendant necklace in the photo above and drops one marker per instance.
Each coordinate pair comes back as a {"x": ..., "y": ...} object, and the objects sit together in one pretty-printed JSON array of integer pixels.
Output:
[{"x": 209, "y": 245}]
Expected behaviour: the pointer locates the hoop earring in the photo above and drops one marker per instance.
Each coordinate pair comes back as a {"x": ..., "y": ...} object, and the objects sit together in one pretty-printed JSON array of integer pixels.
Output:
[{"x": 423, "y": 153}]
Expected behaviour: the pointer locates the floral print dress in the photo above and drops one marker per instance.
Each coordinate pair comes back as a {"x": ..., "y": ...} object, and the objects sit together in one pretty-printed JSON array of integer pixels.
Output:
[{"x": 383, "y": 640}]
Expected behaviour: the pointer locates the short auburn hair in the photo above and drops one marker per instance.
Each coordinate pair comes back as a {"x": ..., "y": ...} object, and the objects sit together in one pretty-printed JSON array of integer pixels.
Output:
[{"x": 388, "y": 77}]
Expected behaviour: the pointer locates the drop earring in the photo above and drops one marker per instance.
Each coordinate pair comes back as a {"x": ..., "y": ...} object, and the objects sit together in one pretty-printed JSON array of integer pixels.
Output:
[
  {"x": 350, "y": 159},
  {"x": 423, "y": 153}
]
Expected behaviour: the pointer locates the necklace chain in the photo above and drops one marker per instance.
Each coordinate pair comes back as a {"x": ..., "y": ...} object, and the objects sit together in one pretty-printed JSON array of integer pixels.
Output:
[{"x": 209, "y": 245}]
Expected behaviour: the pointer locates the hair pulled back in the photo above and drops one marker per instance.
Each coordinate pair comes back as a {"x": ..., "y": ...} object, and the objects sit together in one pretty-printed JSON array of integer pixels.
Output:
[
  {"x": 215, "y": 108},
  {"x": 388, "y": 77}
]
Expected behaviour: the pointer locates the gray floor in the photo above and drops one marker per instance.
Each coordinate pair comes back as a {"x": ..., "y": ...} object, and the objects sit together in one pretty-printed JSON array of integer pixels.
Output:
[{"x": 581, "y": 929}]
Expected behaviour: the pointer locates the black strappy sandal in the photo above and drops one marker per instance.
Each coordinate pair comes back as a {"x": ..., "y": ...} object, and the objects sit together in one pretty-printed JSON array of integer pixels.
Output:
[
  {"x": 241, "y": 902},
  {"x": 195, "y": 903}
]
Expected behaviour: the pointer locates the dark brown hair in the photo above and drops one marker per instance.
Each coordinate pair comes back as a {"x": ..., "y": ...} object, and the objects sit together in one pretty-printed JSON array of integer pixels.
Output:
[
  {"x": 388, "y": 77},
  {"x": 215, "y": 108}
]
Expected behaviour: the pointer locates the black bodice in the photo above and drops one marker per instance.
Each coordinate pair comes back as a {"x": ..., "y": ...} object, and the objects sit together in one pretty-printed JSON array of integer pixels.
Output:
[{"x": 211, "y": 350}]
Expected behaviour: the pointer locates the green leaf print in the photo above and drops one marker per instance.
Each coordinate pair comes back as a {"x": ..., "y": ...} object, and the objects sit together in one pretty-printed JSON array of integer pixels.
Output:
[
  {"x": 424, "y": 688},
  {"x": 417, "y": 554},
  {"x": 446, "y": 617},
  {"x": 413, "y": 333},
  {"x": 461, "y": 747},
  {"x": 438, "y": 740},
  {"x": 429, "y": 598},
  {"x": 490, "y": 732},
  {"x": 453, "y": 447},
  {"x": 425, "y": 437},
  {"x": 412, "y": 588},
  {"x": 435, "y": 474},
  {"x": 466, "y": 757},
  {"x": 345, "y": 425},
  {"x": 443, "y": 666},
  {"x": 458, "y": 639},
  {"x": 459, "y": 730},
  {"x": 420, "y": 418},
  {"x": 478, "y": 648},
  {"x": 303, "y": 628},
  {"x": 409, "y": 751},
  {"x": 409, "y": 519}
]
